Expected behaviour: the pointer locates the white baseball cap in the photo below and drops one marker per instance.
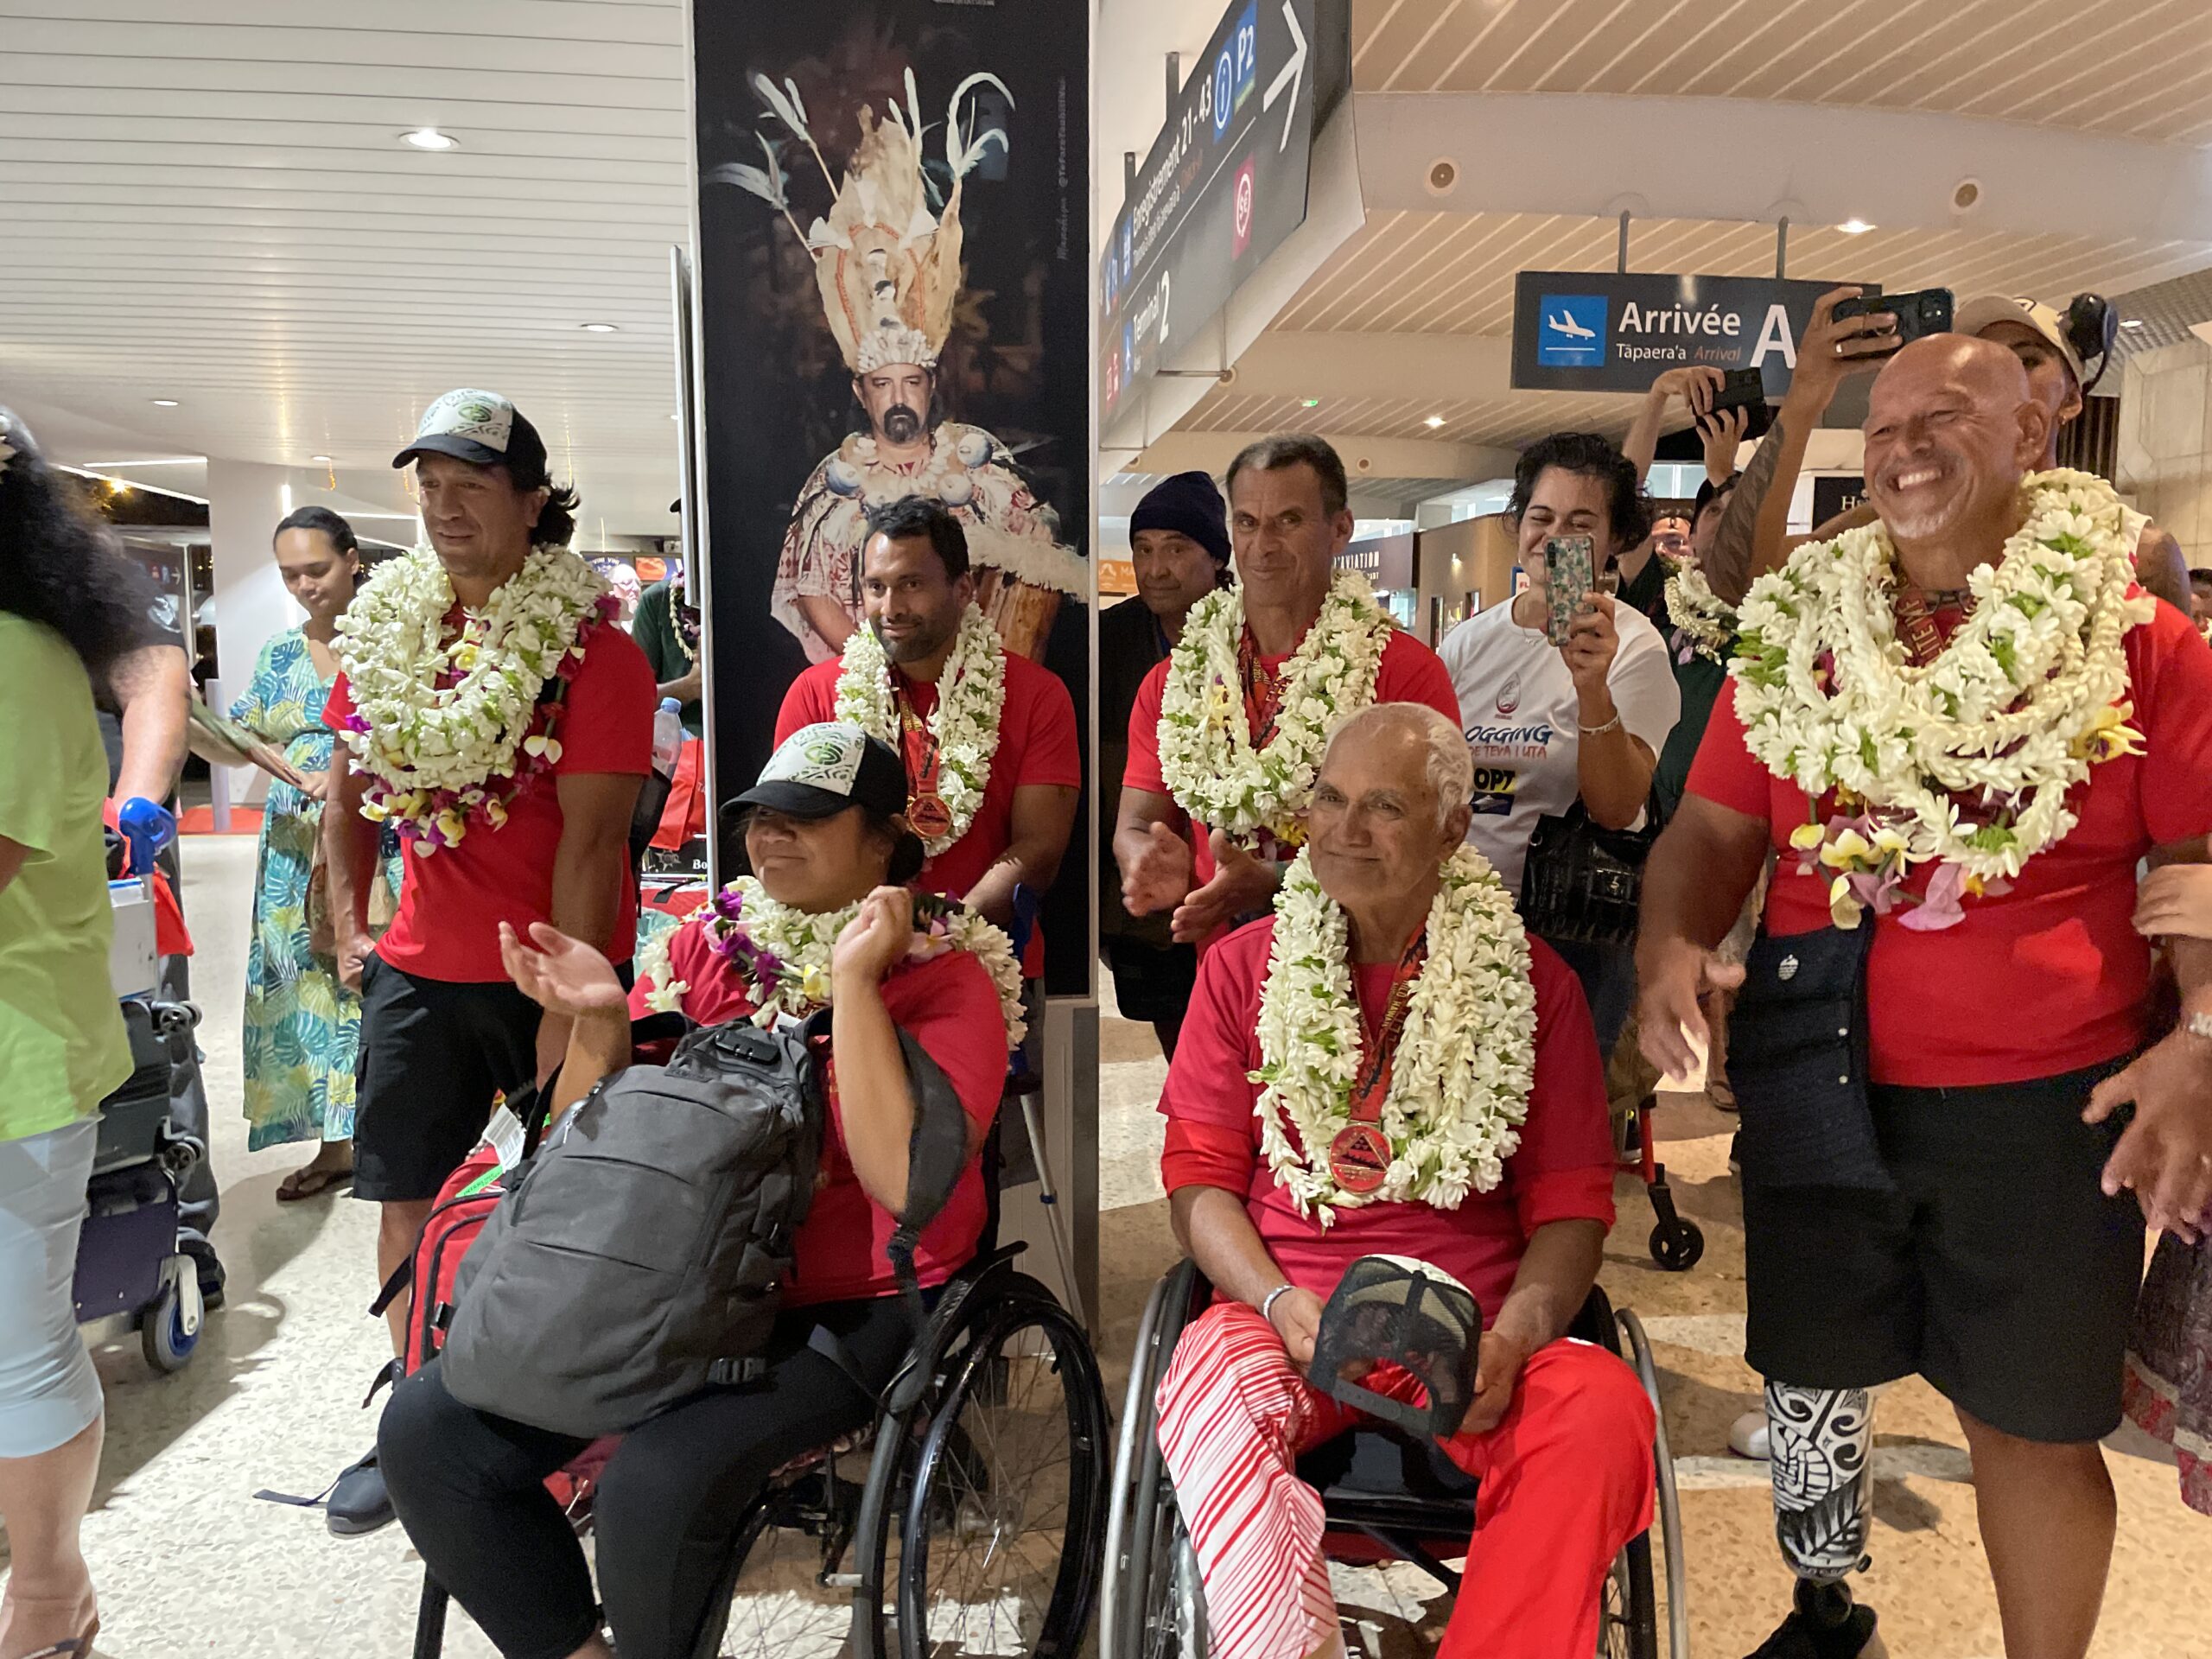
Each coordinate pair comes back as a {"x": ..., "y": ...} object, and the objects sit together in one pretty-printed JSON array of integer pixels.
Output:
[
  {"x": 1978, "y": 315},
  {"x": 483, "y": 429}
]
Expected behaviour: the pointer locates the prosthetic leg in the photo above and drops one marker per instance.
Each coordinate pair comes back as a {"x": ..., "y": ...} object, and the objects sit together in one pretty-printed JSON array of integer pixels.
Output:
[{"x": 1821, "y": 1449}]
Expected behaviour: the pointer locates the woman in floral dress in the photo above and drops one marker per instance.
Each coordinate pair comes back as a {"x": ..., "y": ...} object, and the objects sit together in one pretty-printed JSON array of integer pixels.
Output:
[{"x": 301, "y": 1024}]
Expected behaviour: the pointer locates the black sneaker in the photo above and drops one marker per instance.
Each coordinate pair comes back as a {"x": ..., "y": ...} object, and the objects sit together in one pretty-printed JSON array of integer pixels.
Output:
[
  {"x": 359, "y": 1503},
  {"x": 1838, "y": 1632}
]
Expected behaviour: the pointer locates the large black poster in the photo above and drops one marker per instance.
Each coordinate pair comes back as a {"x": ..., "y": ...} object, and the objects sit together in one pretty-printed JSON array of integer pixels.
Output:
[{"x": 893, "y": 273}]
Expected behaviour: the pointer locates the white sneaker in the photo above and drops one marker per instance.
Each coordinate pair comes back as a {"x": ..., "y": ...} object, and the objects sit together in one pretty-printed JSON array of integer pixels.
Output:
[{"x": 1747, "y": 1436}]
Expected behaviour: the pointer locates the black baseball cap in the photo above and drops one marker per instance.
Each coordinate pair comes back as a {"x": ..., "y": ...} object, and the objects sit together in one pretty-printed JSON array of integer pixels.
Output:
[
  {"x": 819, "y": 771},
  {"x": 484, "y": 429},
  {"x": 1410, "y": 1314}
]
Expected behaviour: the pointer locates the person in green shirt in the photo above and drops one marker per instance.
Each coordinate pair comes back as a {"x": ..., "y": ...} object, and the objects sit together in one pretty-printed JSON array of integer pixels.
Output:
[
  {"x": 65, "y": 621},
  {"x": 667, "y": 629}
]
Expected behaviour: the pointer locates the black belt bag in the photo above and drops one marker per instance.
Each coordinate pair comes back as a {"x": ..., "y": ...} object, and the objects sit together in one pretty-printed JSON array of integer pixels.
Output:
[
  {"x": 1582, "y": 882},
  {"x": 1797, "y": 1062}
]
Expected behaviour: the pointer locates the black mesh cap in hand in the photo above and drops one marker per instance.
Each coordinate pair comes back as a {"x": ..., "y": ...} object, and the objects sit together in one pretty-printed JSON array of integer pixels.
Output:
[{"x": 1394, "y": 1308}]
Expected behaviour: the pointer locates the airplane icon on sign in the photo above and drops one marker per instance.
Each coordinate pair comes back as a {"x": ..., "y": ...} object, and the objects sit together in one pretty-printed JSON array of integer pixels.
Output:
[{"x": 1566, "y": 324}]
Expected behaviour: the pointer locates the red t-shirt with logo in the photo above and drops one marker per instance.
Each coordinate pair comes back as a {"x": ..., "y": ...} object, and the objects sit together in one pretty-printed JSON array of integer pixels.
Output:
[
  {"x": 1037, "y": 745},
  {"x": 951, "y": 1008},
  {"x": 453, "y": 899},
  {"x": 1409, "y": 673},
  {"x": 1562, "y": 1170},
  {"x": 2049, "y": 977}
]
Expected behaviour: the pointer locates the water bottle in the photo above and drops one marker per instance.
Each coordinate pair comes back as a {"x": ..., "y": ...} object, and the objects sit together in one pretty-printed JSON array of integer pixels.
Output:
[{"x": 668, "y": 736}]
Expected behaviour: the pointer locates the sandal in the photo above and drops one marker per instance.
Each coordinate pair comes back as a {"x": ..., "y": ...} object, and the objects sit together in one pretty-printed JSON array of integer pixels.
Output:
[{"x": 308, "y": 1182}]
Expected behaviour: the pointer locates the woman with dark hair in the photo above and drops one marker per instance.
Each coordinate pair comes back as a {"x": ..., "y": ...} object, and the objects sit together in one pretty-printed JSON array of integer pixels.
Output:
[
  {"x": 301, "y": 1025},
  {"x": 823, "y": 921},
  {"x": 66, "y": 616},
  {"x": 1580, "y": 722}
]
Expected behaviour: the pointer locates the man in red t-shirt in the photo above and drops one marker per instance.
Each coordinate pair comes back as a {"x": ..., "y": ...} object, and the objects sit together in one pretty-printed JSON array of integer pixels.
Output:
[
  {"x": 1940, "y": 1187},
  {"x": 1559, "y": 1432},
  {"x": 918, "y": 593},
  {"x": 1288, "y": 518},
  {"x": 443, "y": 1031}
]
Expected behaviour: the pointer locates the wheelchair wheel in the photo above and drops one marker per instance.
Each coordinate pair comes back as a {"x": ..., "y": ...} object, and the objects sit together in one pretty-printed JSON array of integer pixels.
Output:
[
  {"x": 1667, "y": 1519},
  {"x": 1002, "y": 1530},
  {"x": 785, "y": 1596},
  {"x": 1628, "y": 1613},
  {"x": 1679, "y": 1247},
  {"x": 1172, "y": 1624}
]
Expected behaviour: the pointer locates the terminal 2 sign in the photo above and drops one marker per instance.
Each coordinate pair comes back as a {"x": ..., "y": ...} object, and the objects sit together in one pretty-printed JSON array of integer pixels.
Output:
[{"x": 1604, "y": 331}]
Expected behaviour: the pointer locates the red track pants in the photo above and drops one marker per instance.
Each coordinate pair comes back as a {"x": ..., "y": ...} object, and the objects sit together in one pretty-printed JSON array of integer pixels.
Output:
[{"x": 1566, "y": 1477}]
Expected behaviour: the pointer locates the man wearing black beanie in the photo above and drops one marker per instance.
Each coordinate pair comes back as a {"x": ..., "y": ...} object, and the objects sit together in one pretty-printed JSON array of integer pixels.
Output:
[{"x": 1178, "y": 541}]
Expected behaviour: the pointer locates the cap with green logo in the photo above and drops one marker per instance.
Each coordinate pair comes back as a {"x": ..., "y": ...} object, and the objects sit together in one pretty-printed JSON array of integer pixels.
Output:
[
  {"x": 819, "y": 771},
  {"x": 483, "y": 429}
]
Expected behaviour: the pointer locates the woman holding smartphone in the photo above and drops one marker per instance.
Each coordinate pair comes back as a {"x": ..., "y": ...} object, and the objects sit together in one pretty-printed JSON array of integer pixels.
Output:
[{"x": 1566, "y": 697}]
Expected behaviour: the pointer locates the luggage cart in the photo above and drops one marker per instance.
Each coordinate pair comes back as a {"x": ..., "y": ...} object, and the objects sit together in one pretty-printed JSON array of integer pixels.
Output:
[{"x": 131, "y": 1274}]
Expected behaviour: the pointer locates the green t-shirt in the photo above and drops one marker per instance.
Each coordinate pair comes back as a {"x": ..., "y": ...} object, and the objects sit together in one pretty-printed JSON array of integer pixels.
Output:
[
  {"x": 1700, "y": 679},
  {"x": 654, "y": 629},
  {"x": 62, "y": 1045}
]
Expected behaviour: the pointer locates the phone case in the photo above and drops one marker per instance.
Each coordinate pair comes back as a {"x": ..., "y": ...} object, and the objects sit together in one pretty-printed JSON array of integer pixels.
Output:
[{"x": 1568, "y": 567}]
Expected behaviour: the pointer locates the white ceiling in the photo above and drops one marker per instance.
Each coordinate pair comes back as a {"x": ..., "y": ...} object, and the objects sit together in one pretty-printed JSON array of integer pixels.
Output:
[
  {"x": 207, "y": 199},
  {"x": 215, "y": 207}
]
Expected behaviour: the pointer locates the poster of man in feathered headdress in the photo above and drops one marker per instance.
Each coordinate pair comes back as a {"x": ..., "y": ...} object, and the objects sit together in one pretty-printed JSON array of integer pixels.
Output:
[{"x": 886, "y": 258}]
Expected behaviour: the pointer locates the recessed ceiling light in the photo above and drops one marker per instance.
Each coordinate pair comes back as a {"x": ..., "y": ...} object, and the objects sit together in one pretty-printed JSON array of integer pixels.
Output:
[
  {"x": 430, "y": 138},
  {"x": 164, "y": 402},
  {"x": 327, "y": 460},
  {"x": 1434, "y": 422},
  {"x": 1309, "y": 403},
  {"x": 1854, "y": 228},
  {"x": 2131, "y": 322},
  {"x": 598, "y": 327}
]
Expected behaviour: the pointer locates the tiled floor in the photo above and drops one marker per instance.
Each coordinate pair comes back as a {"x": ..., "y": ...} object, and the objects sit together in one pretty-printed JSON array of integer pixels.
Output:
[{"x": 190, "y": 1563}]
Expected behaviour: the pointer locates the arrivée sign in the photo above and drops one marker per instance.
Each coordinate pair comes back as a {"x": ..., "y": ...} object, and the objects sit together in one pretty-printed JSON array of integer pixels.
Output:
[{"x": 1607, "y": 331}]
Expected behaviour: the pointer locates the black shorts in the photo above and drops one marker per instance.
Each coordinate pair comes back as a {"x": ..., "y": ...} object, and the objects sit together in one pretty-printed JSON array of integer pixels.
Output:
[
  {"x": 433, "y": 1055},
  {"x": 1998, "y": 1270}
]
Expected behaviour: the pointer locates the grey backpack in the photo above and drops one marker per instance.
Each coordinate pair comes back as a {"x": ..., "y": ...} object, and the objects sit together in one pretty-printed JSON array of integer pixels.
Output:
[{"x": 642, "y": 1255}]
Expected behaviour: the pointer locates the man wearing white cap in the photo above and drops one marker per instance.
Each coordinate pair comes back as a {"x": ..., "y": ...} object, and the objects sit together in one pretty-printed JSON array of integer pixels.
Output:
[{"x": 502, "y": 721}]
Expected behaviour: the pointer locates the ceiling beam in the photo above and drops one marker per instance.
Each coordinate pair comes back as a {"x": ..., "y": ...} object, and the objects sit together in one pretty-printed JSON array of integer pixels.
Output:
[{"x": 1821, "y": 164}]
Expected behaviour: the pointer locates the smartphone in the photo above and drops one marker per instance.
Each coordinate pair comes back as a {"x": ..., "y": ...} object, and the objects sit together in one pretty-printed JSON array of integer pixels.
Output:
[
  {"x": 1924, "y": 312},
  {"x": 1569, "y": 570},
  {"x": 1745, "y": 389}
]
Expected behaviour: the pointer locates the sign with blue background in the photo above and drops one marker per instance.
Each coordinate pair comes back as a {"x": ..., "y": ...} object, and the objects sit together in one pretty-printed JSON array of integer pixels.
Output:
[{"x": 1609, "y": 331}]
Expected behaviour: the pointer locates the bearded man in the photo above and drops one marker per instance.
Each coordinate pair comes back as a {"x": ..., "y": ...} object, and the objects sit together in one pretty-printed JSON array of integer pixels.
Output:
[
  {"x": 1473, "y": 1138},
  {"x": 992, "y": 769},
  {"x": 1226, "y": 735},
  {"x": 1960, "y": 731}
]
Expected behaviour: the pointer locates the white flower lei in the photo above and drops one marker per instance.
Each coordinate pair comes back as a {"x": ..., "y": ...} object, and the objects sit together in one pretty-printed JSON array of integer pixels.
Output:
[
  {"x": 743, "y": 921},
  {"x": 2028, "y": 695},
  {"x": 1466, "y": 1057},
  {"x": 440, "y": 759},
  {"x": 1703, "y": 616},
  {"x": 971, "y": 694},
  {"x": 1206, "y": 755}
]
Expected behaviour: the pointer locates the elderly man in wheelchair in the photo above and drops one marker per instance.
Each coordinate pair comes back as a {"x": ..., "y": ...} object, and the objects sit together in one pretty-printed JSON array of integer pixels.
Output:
[{"x": 1389, "y": 1066}]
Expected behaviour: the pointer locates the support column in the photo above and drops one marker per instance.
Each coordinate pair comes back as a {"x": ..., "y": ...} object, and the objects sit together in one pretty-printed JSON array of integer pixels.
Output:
[{"x": 245, "y": 502}]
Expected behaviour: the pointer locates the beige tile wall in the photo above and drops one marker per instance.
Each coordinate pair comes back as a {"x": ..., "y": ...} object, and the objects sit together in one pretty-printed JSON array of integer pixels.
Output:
[{"x": 2165, "y": 442}]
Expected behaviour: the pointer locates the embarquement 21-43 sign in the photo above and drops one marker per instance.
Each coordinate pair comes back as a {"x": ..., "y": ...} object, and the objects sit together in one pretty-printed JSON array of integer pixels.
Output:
[{"x": 1224, "y": 185}]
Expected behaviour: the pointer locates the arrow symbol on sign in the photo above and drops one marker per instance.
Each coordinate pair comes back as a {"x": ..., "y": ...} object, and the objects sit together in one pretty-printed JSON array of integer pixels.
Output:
[{"x": 1287, "y": 75}]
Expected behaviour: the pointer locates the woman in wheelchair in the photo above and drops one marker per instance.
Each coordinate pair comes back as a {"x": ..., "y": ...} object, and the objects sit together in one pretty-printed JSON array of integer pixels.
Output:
[
  {"x": 1387, "y": 1066},
  {"x": 823, "y": 922}
]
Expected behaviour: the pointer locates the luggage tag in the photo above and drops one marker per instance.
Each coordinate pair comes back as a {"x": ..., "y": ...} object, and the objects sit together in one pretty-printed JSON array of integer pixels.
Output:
[{"x": 504, "y": 1136}]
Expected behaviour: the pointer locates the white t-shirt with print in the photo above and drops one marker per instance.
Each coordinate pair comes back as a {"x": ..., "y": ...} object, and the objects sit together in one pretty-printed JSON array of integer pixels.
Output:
[{"x": 1517, "y": 708}]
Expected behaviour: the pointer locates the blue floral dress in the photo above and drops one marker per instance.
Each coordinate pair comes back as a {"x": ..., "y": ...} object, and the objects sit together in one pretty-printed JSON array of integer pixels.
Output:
[{"x": 301, "y": 1025}]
